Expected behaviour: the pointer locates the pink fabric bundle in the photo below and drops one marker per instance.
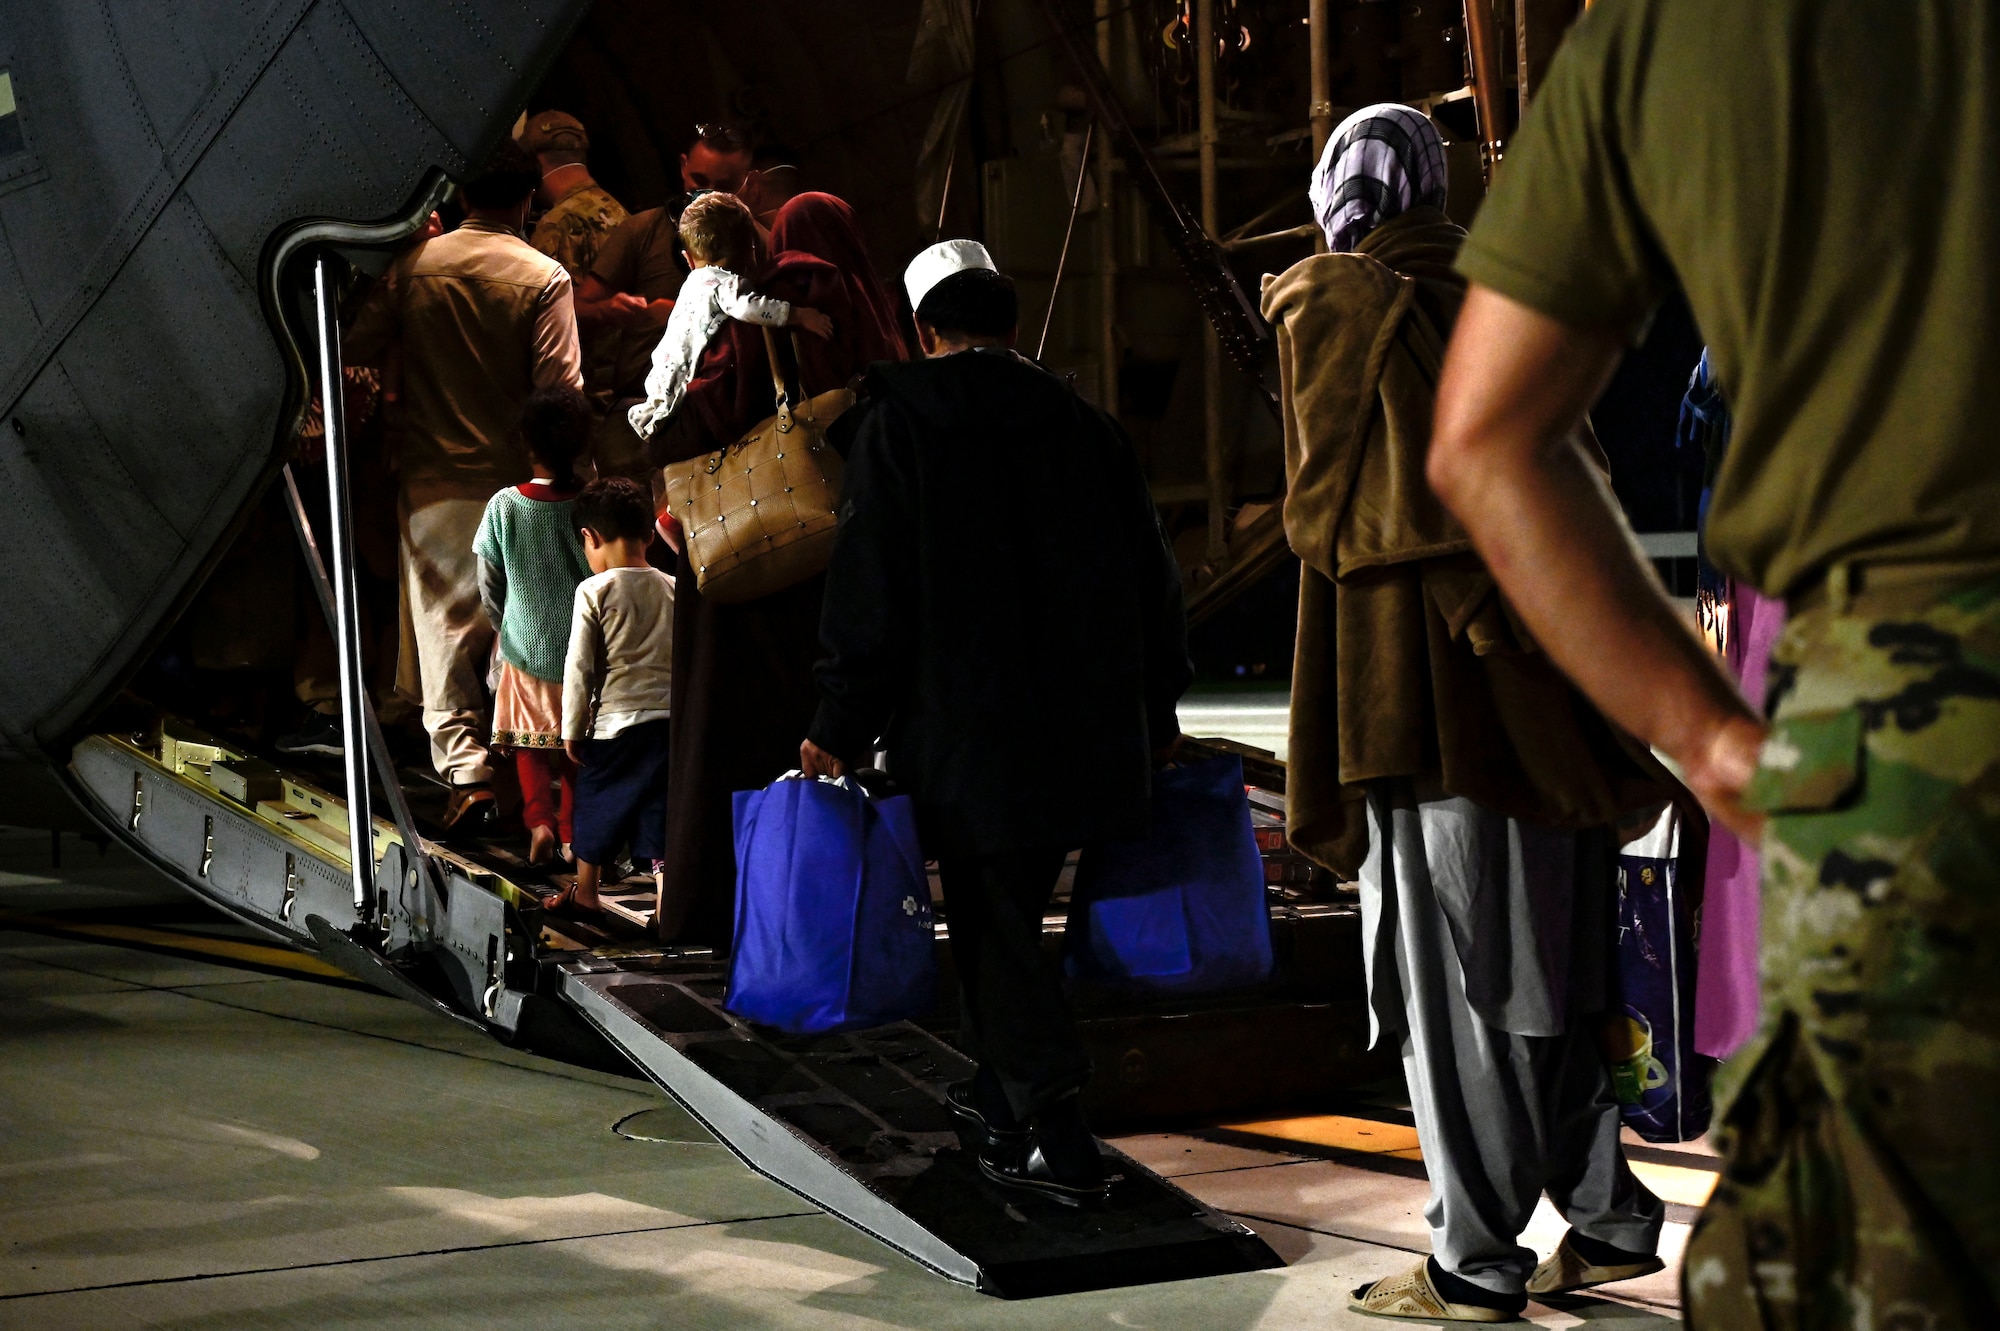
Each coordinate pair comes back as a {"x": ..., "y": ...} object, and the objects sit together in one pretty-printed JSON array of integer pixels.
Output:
[{"x": 1725, "y": 1007}]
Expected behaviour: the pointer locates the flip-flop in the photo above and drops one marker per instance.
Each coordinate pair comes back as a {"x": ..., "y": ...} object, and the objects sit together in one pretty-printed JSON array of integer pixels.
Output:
[{"x": 564, "y": 906}]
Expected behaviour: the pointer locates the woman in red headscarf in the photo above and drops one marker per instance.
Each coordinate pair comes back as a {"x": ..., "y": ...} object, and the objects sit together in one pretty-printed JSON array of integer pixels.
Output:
[
  {"x": 825, "y": 227},
  {"x": 743, "y": 688}
]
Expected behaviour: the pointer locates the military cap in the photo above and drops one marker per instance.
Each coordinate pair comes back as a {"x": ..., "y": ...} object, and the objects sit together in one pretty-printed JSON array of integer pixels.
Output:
[{"x": 554, "y": 131}]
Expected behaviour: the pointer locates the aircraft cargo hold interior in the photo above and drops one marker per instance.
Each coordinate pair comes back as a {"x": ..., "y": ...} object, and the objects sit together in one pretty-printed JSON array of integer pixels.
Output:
[{"x": 218, "y": 675}]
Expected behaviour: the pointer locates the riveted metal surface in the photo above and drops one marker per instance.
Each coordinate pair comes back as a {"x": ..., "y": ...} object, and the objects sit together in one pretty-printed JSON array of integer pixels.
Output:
[
  {"x": 153, "y": 152},
  {"x": 255, "y": 870}
]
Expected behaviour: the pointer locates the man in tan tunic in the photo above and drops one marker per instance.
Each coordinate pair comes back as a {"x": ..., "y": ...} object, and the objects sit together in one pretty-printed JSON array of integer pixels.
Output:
[{"x": 481, "y": 320}]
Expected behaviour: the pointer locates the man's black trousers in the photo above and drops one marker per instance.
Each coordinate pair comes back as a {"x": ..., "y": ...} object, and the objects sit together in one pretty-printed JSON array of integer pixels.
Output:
[{"x": 1016, "y": 1021}]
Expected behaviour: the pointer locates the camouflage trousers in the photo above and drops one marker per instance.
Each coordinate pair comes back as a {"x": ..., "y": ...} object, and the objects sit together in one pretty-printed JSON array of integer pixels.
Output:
[{"x": 1861, "y": 1135}]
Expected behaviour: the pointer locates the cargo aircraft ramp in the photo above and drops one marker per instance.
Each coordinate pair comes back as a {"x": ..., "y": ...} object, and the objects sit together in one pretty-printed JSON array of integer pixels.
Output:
[{"x": 854, "y": 1123}]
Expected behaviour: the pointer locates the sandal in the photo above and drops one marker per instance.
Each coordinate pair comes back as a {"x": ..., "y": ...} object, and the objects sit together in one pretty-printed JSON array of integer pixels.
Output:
[
  {"x": 1414, "y": 1294},
  {"x": 1568, "y": 1270},
  {"x": 564, "y": 905}
]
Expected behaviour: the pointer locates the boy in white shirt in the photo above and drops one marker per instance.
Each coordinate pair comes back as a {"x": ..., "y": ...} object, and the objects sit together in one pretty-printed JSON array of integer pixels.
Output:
[
  {"x": 719, "y": 237},
  {"x": 615, "y": 689}
]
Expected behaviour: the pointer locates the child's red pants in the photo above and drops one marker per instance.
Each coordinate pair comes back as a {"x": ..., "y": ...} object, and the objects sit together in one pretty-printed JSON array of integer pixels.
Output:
[{"x": 540, "y": 770}]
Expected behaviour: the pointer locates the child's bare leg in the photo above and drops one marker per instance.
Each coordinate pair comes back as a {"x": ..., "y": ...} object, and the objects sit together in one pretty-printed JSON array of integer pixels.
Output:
[{"x": 586, "y": 886}]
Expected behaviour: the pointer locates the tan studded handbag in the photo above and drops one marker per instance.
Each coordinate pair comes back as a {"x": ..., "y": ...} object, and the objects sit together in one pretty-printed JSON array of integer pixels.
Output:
[{"x": 760, "y": 515}]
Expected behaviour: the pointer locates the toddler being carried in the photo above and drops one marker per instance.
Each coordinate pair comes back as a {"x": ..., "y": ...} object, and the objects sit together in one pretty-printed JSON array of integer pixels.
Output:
[{"x": 719, "y": 237}]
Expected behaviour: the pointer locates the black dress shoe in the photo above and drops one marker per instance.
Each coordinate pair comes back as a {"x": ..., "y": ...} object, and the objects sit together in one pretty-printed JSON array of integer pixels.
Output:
[
  {"x": 1024, "y": 1169},
  {"x": 976, "y": 1131}
]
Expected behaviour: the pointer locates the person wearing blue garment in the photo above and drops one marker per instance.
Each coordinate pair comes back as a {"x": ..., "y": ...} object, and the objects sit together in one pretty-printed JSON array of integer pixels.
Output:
[{"x": 1004, "y": 618}]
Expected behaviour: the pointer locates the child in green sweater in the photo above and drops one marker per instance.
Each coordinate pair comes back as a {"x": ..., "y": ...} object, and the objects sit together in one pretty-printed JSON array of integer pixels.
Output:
[{"x": 530, "y": 562}]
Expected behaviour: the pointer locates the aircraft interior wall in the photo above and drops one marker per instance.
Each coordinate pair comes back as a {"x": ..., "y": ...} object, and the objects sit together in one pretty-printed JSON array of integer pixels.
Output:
[{"x": 847, "y": 95}]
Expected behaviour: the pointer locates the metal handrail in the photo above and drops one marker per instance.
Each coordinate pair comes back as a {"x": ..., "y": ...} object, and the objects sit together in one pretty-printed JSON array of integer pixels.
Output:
[{"x": 346, "y": 609}]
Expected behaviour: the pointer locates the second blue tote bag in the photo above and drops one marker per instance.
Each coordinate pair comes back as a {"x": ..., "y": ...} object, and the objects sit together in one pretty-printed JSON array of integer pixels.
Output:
[{"x": 1181, "y": 908}]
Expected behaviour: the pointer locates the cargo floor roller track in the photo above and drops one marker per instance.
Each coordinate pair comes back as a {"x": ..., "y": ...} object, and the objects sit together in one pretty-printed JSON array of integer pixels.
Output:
[{"x": 854, "y": 1123}]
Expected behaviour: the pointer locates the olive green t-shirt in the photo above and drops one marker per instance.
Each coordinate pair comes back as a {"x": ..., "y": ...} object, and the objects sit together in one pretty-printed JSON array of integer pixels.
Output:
[
  {"x": 642, "y": 257},
  {"x": 1823, "y": 180}
]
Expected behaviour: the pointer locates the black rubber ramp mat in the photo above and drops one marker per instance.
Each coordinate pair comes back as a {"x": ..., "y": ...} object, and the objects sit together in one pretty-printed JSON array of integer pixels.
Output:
[{"x": 856, "y": 1123}]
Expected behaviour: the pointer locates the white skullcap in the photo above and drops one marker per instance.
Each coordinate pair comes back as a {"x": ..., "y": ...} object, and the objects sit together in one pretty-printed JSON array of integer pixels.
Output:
[{"x": 940, "y": 261}]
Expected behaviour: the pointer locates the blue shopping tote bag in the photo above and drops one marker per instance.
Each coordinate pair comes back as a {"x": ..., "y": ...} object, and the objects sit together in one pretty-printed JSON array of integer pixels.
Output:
[
  {"x": 1181, "y": 908},
  {"x": 833, "y": 909}
]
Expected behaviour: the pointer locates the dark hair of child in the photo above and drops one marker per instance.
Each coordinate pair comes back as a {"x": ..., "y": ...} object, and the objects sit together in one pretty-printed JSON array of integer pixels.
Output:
[
  {"x": 555, "y": 425},
  {"x": 616, "y": 508},
  {"x": 975, "y": 301}
]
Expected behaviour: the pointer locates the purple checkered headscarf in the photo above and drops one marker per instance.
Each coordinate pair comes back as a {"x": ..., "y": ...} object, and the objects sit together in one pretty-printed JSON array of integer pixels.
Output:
[{"x": 1381, "y": 162}]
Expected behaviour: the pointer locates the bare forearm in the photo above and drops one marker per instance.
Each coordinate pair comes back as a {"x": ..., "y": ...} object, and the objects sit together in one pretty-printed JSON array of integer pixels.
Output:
[
  {"x": 1504, "y": 460},
  {"x": 1549, "y": 528},
  {"x": 593, "y": 300}
]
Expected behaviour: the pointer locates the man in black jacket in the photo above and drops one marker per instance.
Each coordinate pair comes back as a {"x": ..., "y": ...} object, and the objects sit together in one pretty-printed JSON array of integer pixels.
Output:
[{"x": 1004, "y": 618}]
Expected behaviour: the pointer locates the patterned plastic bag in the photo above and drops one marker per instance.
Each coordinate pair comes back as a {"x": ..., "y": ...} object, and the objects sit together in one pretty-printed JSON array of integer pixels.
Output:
[{"x": 1661, "y": 1082}]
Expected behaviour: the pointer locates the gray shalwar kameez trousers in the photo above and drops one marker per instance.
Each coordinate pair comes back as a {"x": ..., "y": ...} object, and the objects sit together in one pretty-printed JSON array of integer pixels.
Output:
[{"x": 1486, "y": 941}]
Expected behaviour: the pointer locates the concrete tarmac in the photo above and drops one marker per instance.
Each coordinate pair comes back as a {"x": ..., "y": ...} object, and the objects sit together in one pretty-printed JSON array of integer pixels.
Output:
[{"x": 197, "y": 1136}]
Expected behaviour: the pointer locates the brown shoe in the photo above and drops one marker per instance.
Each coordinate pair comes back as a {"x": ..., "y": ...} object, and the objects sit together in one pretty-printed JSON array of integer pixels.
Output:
[{"x": 471, "y": 809}]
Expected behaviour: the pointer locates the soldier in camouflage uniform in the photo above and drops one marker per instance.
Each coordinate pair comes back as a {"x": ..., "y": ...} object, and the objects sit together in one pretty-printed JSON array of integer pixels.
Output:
[
  {"x": 581, "y": 212},
  {"x": 1861, "y": 1189},
  {"x": 1817, "y": 181}
]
